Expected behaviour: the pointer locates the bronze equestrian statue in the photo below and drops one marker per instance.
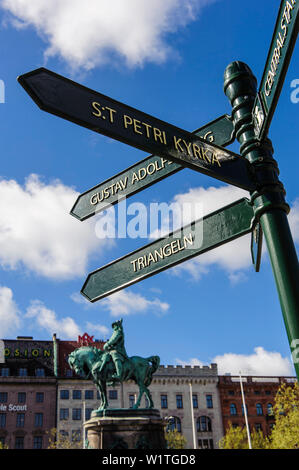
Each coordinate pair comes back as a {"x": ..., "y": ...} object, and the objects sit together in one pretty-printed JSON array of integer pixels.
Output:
[{"x": 113, "y": 365}]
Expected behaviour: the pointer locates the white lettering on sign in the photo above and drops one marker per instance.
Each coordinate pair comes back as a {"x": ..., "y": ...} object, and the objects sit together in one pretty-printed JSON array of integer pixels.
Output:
[
  {"x": 280, "y": 42},
  {"x": 167, "y": 250},
  {"x": 12, "y": 408}
]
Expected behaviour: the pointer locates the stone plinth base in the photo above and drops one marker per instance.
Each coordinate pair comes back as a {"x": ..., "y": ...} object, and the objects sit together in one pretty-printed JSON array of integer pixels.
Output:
[{"x": 125, "y": 429}]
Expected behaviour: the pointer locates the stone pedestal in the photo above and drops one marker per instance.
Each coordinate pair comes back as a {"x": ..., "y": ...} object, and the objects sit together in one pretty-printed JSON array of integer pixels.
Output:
[{"x": 125, "y": 429}]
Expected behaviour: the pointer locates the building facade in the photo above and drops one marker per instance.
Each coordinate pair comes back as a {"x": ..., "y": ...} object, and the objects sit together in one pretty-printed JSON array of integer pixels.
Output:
[
  {"x": 27, "y": 393},
  {"x": 172, "y": 388},
  {"x": 259, "y": 396},
  {"x": 39, "y": 392}
]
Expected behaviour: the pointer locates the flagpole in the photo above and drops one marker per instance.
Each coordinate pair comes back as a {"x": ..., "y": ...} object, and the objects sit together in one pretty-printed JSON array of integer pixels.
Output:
[
  {"x": 192, "y": 416},
  {"x": 245, "y": 412},
  {"x": 83, "y": 424}
]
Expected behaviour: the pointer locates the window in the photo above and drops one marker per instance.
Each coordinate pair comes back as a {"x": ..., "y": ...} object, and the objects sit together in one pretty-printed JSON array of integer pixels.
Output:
[
  {"x": 76, "y": 394},
  {"x": 3, "y": 397},
  {"x": 195, "y": 401},
  {"x": 19, "y": 442},
  {"x": 131, "y": 400},
  {"x": 76, "y": 414},
  {"x": 268, "y": 392},
  {"x": 20, "y": 420},
  {"x": 89, "y": 395},
  {"x": 243, "y": 410},
  {"x": 259, "y": 409},
  {"x": 204, "y": 424},
  {"x": 2, "y": 441},
  {"x": 2, "y": 420},
  {"x": 231, "y": 392},
  {"x": 5, "y": 372},
  {"x": 232, "y": 409},
  {"x": 258, "y": 427},
  {"x": 179, "y": 401},
  {"x": 64, "y": 394},
  {"x": 164, "y": 403},
  {"x": 40, "y": 372},
  {"x": 87, "y": 413},
  {"x": 38, "y": 442},
  {"x": 205, "y": 444},
  {"x": 38, "y": 420},
  {"x": 269, "y": 409},
  {"x": 39, "y": 397},
  {"x": 22, "y": 397},
  {"x": 64, "y": 414},
  {"x": 23, "y": 372},
  {"x": 69, "y": 373},
  {"x": 175, "y": 423},
  {"x": 209, "y": 401},
  {"x": 257, "y": 392},
  {"x": 112, "y": 394}
]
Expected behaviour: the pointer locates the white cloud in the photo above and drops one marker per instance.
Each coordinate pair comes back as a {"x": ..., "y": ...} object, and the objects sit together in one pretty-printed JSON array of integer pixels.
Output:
[
  {"x": 294, "y": 220},
  {"x": 91, "y": 32},
  {"x": 9, "y": 313},
  {"x": 38, "y": 233},
  {"x": 260, "y": 362},
  {"x": 101, "y": 330},
  {"x": 48, "y": 320},
  {"x": 125, "y": 303}
]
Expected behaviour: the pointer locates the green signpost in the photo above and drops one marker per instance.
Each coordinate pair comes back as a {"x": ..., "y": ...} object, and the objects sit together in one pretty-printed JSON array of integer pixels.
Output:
[
  {"x": 280, "y": 52},
  {"x": 254, "y": 170},
  {"x": 88, "y": 108},
  {"x": 213, "y": 230},
  {"x": 145, "y": 173}
]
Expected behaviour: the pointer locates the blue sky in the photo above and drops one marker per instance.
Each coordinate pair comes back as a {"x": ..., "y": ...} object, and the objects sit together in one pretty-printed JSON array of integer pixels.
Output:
[{"x": 166, "y": 59}]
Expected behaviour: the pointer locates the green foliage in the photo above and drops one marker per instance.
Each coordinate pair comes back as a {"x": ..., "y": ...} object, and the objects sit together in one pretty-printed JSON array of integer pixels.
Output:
[
  {"x": 284, "y": 435},
  {"x": 58, "y": 441},
  {"x": 235, "y": 438},
  {"x": 3, "y": 446},
  {"x": 175, "y": 440}
]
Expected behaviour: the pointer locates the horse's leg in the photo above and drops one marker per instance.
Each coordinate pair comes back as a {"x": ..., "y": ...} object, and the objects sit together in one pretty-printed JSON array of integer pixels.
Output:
[
  {"x": 104, "y": 389},
  {"x": 149, "y": 397},
  {"x": 141, "y": 391},
  {"x": 101, "y": 386}
]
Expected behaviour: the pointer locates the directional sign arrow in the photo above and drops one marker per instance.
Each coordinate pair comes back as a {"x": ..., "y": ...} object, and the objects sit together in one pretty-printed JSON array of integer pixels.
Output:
[
  {"x": 211, "y": 231},
  {"x": 88, "y": 108},
  {"x": 279, "y": 56},
  {"x": 144, "y": 173}
]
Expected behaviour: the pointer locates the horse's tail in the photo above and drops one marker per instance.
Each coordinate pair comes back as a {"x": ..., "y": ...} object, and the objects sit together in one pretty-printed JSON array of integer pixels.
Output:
[{"x": 155, "y": 360}]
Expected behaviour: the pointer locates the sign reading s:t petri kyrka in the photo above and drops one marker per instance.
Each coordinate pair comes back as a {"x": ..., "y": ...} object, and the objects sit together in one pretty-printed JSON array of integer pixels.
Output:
[{"x": 88, "y": 108}]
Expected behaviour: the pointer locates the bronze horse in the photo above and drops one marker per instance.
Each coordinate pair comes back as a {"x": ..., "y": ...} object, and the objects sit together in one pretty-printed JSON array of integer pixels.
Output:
[{"x": 86, "y": 361}]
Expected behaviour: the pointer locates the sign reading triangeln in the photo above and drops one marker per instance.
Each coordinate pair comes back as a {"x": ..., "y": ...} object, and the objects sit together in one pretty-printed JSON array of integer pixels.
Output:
[{"x": 211, "y": 231}]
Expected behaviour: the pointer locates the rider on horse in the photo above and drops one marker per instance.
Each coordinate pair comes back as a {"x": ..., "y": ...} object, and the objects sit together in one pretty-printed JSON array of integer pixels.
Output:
[{"x": 115, "y": 348}]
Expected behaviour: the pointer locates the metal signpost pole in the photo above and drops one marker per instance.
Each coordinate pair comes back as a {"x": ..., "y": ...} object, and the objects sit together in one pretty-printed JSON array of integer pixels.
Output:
[{"x": 269, "y": 204}]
